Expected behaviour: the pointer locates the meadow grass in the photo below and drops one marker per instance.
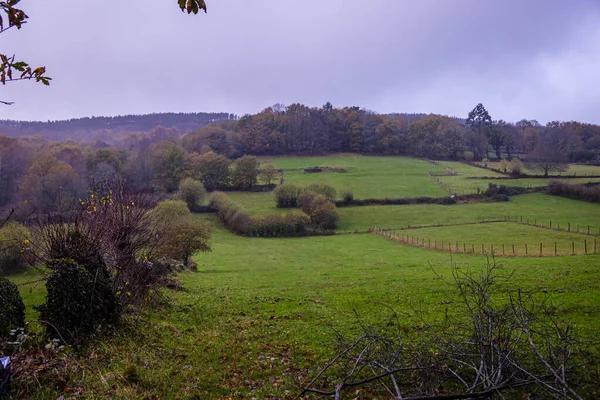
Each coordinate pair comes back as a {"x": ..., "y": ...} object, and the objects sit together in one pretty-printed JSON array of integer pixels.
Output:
[
  {"x": 259, "y": 317},
  {"x": 535, "y": 206},
  {"x": 366, "y": 176},
  {"x": 502, "y": 238}
]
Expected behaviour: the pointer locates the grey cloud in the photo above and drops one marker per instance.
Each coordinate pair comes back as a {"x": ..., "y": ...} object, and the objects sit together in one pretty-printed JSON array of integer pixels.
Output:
[{"x": 523, "y": 59}]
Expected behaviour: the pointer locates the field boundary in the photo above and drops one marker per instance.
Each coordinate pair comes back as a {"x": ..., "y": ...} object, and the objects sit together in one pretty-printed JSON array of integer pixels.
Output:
[{"x": 504, "y": 250}]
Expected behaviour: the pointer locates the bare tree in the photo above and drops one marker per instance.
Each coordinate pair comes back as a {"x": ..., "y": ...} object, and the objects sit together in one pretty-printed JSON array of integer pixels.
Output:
[{"x": 551, "y": 152}]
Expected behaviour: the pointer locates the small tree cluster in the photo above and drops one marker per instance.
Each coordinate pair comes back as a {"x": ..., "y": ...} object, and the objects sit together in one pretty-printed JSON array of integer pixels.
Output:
[
  {"x": 515, "y": 166},
  {"x": 323, "y": 213}
]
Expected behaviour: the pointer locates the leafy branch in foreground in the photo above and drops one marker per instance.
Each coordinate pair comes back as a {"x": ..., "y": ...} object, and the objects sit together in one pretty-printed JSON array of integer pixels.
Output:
[{"x": 489, "y": 342}]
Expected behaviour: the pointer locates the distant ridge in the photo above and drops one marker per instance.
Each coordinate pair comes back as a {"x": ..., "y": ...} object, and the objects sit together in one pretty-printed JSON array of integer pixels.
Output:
[{"x": 107, "y": 128}]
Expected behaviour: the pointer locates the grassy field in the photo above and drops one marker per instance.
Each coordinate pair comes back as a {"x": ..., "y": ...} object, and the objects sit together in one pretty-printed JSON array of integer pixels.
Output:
[
  {"x": 258, "y": 319},
  {"x": 502, "y": 238},
  {"x": 572, "y": 169},
  {"x": 366, "y": 176},
  {"x": 536, "y": 206}
]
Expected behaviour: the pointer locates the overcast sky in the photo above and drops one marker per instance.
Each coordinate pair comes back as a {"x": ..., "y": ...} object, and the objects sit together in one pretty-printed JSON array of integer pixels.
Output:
[{"x": 535, "y": 59}]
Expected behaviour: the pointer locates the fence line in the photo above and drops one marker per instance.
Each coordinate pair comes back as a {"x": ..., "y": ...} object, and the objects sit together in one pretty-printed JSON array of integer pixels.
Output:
[
  {"x": 553, "y": 249},
  {"x": 584, "y": 229}
]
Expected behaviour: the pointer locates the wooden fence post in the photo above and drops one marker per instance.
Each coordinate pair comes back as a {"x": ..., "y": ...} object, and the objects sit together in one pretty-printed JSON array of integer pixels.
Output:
[
  {"x": 526, "y": 249},
  {"x": 573, "y": 248},
  {"x": 555, "y": 248},
  {"x": 585, "y": 245},
  {"x": 502, "y": 248},
  {"x": 482, "y": 249},
  {"x": 594, "y": 246},
  {"x": 513, "y": 246},
  {"x": 541, "y": 247},
  {"x": 569, "y": 230}
]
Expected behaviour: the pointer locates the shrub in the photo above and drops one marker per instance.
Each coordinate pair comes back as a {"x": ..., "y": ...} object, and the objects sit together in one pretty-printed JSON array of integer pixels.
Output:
[
  {"x": 504, "y": 165},
  {"x": 287, "y": 195},
  {"x": 321, "y": 188},
  {"x": 485, "y": 162},
  {"x": 76, "y": 301},
  {"x": 590, "y": 193},
  {"x": 305, "y": 200},
  {"x": 323, "y": 213},
  {"x": 183, "y": 238},
  {"x": 12, "y": 312},
  {"x": 192, "y": 192},
  {"x": 168, "y": 211},
  {"x": 515, "y": 166},
  {"x": 469, "y": 156},
  {"x": 348, "y": 197},
  {"x": 13, "y": 240}
]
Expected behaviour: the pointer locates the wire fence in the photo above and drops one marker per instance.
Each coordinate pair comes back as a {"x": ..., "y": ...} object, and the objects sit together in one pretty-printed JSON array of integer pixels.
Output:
[{"x": 541, "y": 249}]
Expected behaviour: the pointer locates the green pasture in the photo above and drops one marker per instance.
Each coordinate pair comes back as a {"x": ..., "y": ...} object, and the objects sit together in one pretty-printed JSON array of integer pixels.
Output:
[
  {"x": 259, "y": 317},
  {"x": 535, "y": 207},
  {"x": 366, "y": 176},
  {"x": 572, "y": 169},
  {"x": 501, "y": 238}
]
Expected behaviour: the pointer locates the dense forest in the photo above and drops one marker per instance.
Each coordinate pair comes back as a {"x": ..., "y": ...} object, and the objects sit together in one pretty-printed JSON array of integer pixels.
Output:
[{"x": 49, "y": 175}]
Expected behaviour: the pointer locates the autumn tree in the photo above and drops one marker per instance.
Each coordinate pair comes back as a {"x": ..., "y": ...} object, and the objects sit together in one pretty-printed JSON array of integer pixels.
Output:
[
  {"x": 245, "y": 172},
  {"x": 212, "y": 169},
  {"x": 268, "y": 173},
  {"x": 170, "y": 163}
]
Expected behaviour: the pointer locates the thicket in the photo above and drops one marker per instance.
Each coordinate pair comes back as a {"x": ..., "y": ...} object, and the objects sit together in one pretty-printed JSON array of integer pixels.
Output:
[
  {"x": 293, "y": 224},
  {"x": 590, "y": 193},
  {"x": 288, "y": 195},
  {"x": 351, "y": 201},
  {"x": 118, "y": 252}
]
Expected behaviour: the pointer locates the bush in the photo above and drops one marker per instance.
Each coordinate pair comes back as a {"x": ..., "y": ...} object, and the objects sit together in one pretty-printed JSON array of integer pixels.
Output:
[
  {"x": 515, "y": 166},
  {"x": 13, "y": 240},
  {"x": 287, "y": 195},
  {"x": 323, "y": 213},
  {"x": 485, "y": 162},
  {"x": 469, "y": 156},
  {"x": 245, "y": 172},
  {"x": 504, "y": 165},
  {"x": 305, "y": 200},
  {"x": 348, "y": 197},
  {"x": 321, "y": 188},
  {"x": 590, "y": 193},
  {"x": 12, "y": 312},
  {"x": 191, "y": 192},
  {"x": 77, "y": 302},
  {"x": 183, "y": 238}
]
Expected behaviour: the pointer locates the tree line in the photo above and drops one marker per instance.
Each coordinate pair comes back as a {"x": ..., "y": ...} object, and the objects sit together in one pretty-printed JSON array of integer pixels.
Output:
[{"x": 50, "y": 175}]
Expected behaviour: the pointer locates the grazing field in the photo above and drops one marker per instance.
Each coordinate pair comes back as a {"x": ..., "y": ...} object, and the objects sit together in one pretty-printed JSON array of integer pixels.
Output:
[
  {"x": 259, "y": 317},
  {"x": 572, "y": 169},
  {"x": 536, "y": 206},
  {"x": 365, "y": 176},
  {"x": 501, "y": 238}
]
